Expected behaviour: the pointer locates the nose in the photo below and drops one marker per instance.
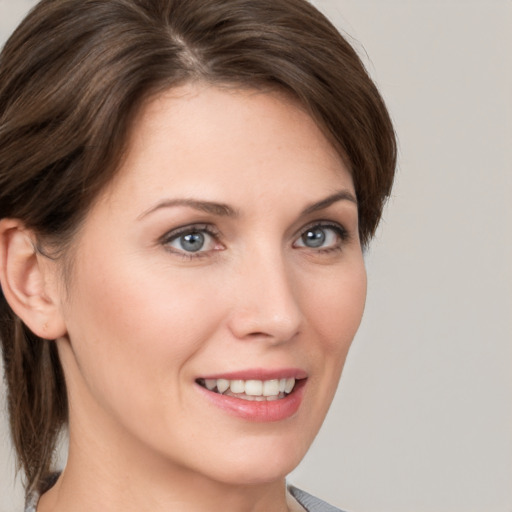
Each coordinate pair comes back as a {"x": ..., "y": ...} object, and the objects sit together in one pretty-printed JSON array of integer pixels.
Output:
[{"x": 267, "y": 300}]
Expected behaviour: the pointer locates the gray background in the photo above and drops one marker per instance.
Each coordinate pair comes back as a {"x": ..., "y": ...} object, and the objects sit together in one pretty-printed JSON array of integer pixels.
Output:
[{"x": 423, "y": 418}]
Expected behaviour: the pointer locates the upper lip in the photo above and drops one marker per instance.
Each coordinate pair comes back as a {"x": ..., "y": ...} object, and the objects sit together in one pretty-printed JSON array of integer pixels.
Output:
[{"x": 259, "y": 374}]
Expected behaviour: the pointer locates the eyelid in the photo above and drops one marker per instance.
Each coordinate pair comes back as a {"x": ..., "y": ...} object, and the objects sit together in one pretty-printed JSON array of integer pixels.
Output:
[
  {"x": 172, "y": 234},
  {"x": 337, "y": 226}
]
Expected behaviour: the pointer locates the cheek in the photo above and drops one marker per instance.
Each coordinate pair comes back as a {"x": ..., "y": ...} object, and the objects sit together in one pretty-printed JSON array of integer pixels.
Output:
[
  {"x": 132, "y": 326},
  {"x": 334, "y": 314},
  {"x": 335, "y": 309}
]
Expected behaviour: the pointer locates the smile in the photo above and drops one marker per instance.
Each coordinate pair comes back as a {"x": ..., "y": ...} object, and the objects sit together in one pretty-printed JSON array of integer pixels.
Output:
[{"x": 251, "y": 390}]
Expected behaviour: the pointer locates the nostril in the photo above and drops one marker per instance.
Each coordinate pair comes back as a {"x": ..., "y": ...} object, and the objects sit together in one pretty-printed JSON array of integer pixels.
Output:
[
  {"x": 258, "y": 335},
  {"x": 271, "y": 337}
]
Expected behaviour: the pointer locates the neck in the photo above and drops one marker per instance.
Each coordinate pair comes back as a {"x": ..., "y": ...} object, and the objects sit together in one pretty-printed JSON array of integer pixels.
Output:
[{"x": 90, "y": 494}]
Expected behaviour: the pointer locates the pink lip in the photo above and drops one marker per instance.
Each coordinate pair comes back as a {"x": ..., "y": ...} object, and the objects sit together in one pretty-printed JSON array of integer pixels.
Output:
[
  {"x": 260, "y": 374},
  {"x": 265, "y": 411}
]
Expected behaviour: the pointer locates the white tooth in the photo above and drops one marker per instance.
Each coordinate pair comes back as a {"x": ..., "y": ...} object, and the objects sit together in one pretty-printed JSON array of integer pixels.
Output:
[
  {"x": 237, "y": 386},
  {"x": 289, "y": 385},
  {"x": 272, "y": 398},
  {"x": 282, "y": 385},
  {"x": 256, "y": 398},
  {"x": 222, "y": 385},
  {"x": 253, "y": 387},
  {"x": 270, "y": 387},
  {"x": 210, "y": 383}
]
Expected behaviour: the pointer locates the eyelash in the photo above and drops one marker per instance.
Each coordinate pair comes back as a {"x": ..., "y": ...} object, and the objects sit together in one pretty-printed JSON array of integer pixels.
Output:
[{"x": 341, "y": 233}]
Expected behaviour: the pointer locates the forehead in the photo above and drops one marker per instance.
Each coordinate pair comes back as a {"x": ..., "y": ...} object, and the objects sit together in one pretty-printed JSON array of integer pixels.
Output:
[{"x": 230, "y": 142}]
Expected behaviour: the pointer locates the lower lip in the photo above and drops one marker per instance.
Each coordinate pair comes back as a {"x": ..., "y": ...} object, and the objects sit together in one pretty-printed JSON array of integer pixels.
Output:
[{"x": 264, "y": 411}]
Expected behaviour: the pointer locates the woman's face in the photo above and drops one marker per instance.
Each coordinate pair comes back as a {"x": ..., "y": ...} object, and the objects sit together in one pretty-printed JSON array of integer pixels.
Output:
[{"x": 224, "y": 257}]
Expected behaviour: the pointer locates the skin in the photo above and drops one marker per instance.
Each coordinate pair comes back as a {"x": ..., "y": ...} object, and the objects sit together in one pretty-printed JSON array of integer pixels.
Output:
[{"x": 143, "y": 319}]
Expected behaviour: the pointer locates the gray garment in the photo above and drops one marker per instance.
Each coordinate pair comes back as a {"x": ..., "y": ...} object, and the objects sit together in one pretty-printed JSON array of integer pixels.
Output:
[{"x": 310, "y": 503}]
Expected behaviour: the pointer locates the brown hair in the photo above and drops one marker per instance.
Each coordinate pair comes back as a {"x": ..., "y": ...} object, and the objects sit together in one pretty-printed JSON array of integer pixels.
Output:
[{"x": 72, "y": 77}]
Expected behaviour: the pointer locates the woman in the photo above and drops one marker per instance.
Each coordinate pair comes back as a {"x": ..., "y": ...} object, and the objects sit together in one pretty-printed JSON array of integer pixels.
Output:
[{"x": 186, "y": 188}]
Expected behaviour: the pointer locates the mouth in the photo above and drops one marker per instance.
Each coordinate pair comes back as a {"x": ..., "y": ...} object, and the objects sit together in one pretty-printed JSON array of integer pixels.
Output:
[
  {"x": 251, "y": 390},
  {"x": 256, "y": 395}
]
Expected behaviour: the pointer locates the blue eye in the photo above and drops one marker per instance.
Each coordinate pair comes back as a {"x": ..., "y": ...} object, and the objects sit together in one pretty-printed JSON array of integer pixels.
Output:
[
  {"x": 314, "y": 237},
  {"x": 190, "y": 240},
  {"x": 322, "y": 237}
]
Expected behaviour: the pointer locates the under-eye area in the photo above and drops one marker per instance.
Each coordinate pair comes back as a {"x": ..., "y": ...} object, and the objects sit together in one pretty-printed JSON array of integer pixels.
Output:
[{"x": 253, "y": 390}]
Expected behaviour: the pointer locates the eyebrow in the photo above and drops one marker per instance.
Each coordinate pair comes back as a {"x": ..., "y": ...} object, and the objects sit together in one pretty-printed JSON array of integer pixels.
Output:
[
  {"x": 342, "y": 195},
  {"x": 224, "y": 210},
  {"x": 213, "y": 208}
]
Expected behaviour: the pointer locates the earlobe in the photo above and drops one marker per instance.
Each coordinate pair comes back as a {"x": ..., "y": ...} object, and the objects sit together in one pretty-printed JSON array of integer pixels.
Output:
[{"x": 28, "y": 281}]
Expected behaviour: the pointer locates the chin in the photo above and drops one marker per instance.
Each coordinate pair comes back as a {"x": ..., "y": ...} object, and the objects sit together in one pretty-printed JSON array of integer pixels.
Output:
[{"x": 261, "y": 465}]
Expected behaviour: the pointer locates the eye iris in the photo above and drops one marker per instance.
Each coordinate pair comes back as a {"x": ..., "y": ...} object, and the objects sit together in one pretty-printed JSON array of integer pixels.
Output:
[
  {"x": 192, "y": 242},
  {"x": 314, "y": 237}
]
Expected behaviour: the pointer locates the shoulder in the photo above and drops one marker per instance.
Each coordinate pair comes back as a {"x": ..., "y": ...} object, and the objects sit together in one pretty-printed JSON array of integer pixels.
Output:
[{"x": 310, "y": 503}]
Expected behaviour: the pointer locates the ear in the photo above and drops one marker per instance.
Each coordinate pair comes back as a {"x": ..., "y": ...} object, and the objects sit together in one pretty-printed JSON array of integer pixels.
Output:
[{"x": 29, "y": 281}]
